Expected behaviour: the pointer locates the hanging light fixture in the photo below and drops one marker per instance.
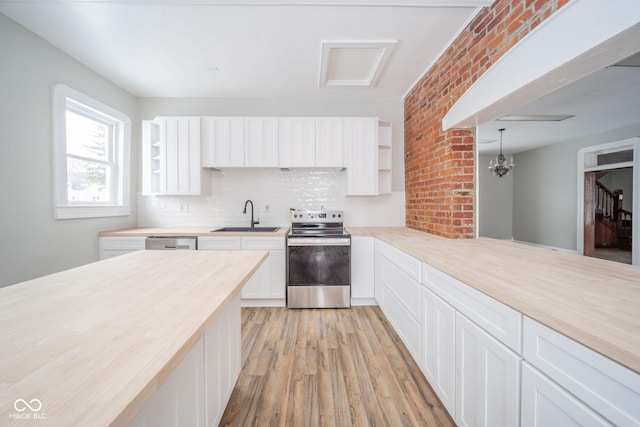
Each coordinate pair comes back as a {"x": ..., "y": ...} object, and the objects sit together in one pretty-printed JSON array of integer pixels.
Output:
[{"x": 501, "y": 168}]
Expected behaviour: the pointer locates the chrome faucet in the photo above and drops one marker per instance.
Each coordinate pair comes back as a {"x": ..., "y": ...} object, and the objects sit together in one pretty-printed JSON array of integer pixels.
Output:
[{"x": 253, "y": 223}]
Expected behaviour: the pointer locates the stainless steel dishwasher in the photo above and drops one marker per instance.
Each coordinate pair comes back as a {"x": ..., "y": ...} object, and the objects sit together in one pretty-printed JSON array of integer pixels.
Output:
[{"x": 171, "y": 243}]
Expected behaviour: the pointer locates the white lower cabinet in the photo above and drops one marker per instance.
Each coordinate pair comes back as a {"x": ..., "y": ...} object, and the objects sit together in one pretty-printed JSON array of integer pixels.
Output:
[
  {"x": 222, "y": 361},
  {"x": 470, "y": 351},
  {"x": 488, "y": 388},
  {"x": 604, "y": 386},
  {"x": 198, "y": 390},
  {"x": 378, "y": 285},
  {"x": 545, "y": 403},
  {"x": 438, "y": 347},
  {"x": 492, "y": 366},
  {"x": 401, "y": 296},
  {"x": 267, "y": 286},
  {"x": 114, "y": 246},
  {"x": 362, "y": 271},
  {"x": 407, "y": 328}
]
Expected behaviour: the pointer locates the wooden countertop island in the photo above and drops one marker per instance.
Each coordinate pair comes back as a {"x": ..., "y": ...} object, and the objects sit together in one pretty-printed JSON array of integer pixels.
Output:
[
  {"x": 592, "y": 301},
  {"x": 92, "y": 344}
]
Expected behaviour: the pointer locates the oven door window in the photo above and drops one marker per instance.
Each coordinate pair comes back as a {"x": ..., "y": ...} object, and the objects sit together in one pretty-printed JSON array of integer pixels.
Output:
[{"x": 319, "y": 265}]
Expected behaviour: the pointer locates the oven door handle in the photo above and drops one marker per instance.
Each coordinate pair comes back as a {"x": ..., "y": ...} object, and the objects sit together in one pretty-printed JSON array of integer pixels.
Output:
[{"x": 318, "y": 242}]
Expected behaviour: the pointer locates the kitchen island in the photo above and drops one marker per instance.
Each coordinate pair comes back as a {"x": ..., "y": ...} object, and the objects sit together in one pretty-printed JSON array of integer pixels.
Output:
[
  {"x": 91, "y": 345},
  {"x": 593, "y": 301}
]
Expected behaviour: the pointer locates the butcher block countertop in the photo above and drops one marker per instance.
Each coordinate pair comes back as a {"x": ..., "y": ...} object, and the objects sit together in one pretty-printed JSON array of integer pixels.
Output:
[
  {"x": 593, "y": 301},
  {"x": 190, "y": 231},
  {"x": 92, "y": 344}
]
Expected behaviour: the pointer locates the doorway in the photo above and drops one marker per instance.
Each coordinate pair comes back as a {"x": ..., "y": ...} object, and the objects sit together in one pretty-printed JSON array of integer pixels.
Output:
[
  {"x": 608, "y": 217},
  {"x": 607, "y": 200}
]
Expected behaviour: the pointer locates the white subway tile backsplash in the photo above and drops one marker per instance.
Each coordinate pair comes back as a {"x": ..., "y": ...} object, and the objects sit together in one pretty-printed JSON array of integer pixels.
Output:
[{"x": 279, "y": 191}]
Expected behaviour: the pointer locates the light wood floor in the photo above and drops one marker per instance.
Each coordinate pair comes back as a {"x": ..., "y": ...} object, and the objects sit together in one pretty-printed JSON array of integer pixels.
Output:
[{"x": 328, "y": 367}]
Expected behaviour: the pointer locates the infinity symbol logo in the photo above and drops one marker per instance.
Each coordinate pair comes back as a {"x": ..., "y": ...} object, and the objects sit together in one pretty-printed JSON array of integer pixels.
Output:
[{"x": 21, "y": 405}]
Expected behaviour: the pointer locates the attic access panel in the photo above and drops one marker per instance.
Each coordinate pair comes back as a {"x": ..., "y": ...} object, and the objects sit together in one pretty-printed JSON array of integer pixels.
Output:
[{"x": 353, "y": 63}]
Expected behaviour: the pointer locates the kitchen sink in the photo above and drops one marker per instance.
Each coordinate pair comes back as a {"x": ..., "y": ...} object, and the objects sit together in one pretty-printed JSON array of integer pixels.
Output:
[{"x": 247, "y": 229}]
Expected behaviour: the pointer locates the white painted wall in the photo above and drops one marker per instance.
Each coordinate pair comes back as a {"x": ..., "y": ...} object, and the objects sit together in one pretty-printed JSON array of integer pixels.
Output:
[
  {"x": 495, "y": 201},
  {"x": 32, "y": 243},
  {"x": 222, "y": 205},
  {"x": 545, "y": 189}
]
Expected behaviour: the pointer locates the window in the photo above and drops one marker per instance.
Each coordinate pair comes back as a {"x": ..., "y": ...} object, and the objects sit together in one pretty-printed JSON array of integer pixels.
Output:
[{"x": 91, "y": 157}]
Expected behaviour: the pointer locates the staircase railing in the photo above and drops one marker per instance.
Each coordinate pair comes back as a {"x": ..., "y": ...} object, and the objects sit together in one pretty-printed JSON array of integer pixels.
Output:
[
  {"x": 609, "y": 207},
  {"x": 606, "y": 202}
]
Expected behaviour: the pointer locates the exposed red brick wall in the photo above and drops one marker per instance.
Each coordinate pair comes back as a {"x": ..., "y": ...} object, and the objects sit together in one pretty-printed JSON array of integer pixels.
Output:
[{"x": 440, "y": 166}]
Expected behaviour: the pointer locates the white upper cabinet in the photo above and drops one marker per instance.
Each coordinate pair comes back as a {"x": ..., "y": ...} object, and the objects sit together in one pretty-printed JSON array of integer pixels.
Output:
[
  {"x": 171, "y": 156},
  {"x": 368, "y": 142},
  {"x": 297, "y": 141},
  {"x": 222, "y": 142},
  {"x": 261, "y": 141},
  {"x": 306, "y": 142},
  {"x": 330, "y": 142}
]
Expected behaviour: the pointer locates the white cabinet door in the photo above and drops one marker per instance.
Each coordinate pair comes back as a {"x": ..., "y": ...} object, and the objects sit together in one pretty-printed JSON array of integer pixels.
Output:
[
  {"x": 180, "y": 399},
  {"x": 277, "y": 285},
  {"x": 545, "y": 403},
  {"x": 222, "y": 142},
  {"x": 261, "y": 141},
  {"x": 362, "y": 269},
  {"x": 182, "y": 135},
  {"x": 405, "y": 325},
  {"x": 171, "y": 156},
  {"x": 361, "y": 138},
  {"x": 378, "y": 283},
  {"x": 488, "y": 387},
  {"x": 269, "y": 280},
  {"x": 222, "y": 361},
  {"x": 267, "y": 286},
  {"x": 330, "y": 142},
  {"x": 297, "y": 142},
  {"x": 402, "y": 299},
  {"x": 438, "y": 347}
]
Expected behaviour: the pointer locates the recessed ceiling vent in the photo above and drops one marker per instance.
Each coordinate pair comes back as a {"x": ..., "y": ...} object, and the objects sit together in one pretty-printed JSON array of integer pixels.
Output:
[{"x": 354, "y": 63}]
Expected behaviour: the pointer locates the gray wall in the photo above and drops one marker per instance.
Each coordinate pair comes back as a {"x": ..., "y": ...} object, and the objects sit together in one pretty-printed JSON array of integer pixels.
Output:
[
  {"x": 495, "y": 201},
  {"x": 389, "y": 109},
  {"x": 545, "y": 189},
  {"x": 32, "y": 243}
]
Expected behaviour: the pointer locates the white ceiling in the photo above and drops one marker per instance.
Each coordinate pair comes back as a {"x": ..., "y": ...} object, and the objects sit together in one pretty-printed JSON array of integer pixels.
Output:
[
  {"x": 605, "y": 100},
  {"x": 256, "y": 48},
  {"x": 273, "y": 48}
]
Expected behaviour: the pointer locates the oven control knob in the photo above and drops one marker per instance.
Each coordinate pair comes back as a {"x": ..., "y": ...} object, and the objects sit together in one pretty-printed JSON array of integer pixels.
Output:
[
  {"x": 334, "y": 215},
  {"x": 339, "y": 215}
]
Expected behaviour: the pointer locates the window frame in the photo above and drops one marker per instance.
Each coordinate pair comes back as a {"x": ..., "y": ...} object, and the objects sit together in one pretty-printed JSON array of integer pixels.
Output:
[{"x": 119, "y": 205}]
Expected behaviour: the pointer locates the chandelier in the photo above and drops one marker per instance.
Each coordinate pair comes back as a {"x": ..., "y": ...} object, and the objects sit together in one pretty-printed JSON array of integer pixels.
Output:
[{"x": 501, "y": 168}]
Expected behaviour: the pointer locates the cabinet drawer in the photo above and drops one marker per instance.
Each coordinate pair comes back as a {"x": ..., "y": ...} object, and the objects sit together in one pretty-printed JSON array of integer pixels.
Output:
[
  {"x": 403, "y": 287},
  {"x": 501, "y": 321},
  {"x": 406, "y": 263},
  {"x": 276, "y": 243},
  {"x": 122, "y": 243},
  {"x": 545, "y": 403},
  {"x": 607, "y": 387},
  {"x": 219, "y": 243},
  {"x": 404, "y": 324}
]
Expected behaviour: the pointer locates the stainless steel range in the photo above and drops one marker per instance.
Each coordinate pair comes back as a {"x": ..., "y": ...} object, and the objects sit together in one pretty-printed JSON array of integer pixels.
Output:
[{"x": 318, "y": 260}]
